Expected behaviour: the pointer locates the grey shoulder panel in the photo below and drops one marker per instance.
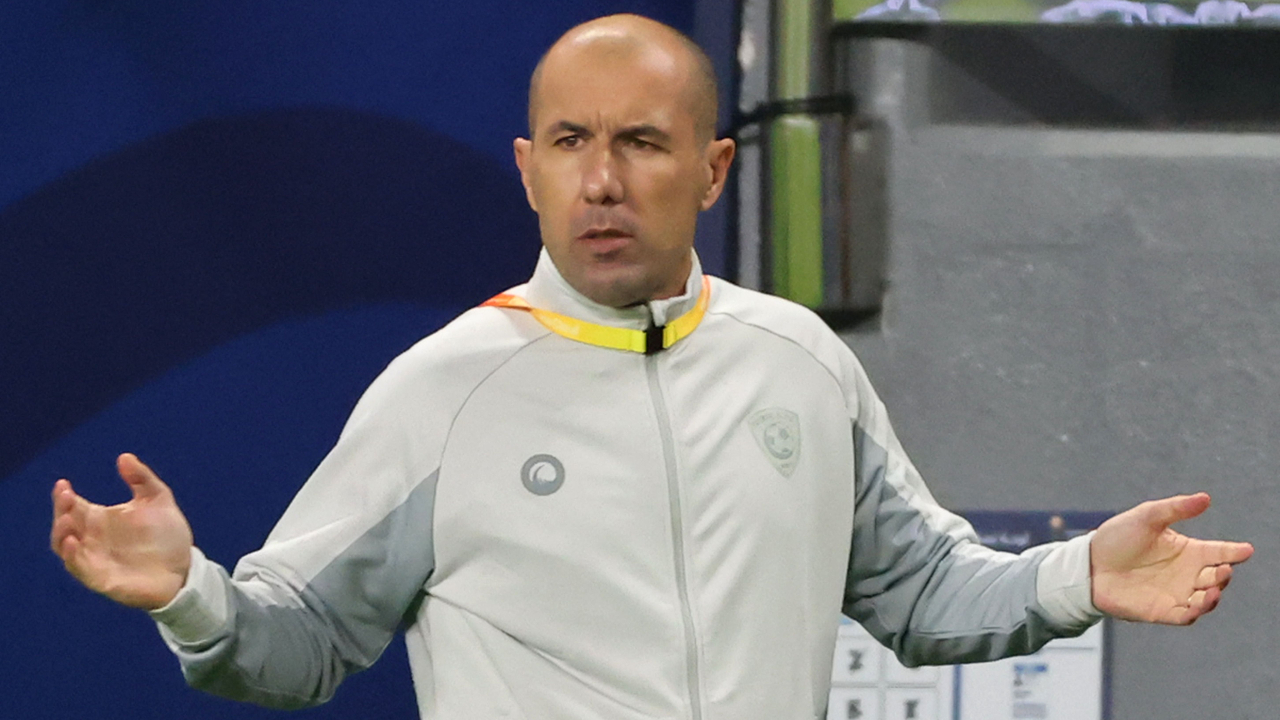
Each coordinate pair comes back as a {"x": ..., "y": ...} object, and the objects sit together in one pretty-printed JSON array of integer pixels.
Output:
[
  {"x": 371, "y": 585},
  {"x": 921, "y": 584},
  {"x": 291, "y": 646}
]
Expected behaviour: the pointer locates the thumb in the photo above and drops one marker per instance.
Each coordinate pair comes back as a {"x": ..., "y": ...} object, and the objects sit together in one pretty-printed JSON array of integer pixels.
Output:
[
  {"x": 144, "y": 483},
  {"x": 1163, "y": 513}
]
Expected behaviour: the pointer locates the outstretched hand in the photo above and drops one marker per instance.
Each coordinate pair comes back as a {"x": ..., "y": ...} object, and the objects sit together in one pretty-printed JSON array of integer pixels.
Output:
[
  {"x": 136, "y": 553},
  {"x": 1144, "y": 570}
]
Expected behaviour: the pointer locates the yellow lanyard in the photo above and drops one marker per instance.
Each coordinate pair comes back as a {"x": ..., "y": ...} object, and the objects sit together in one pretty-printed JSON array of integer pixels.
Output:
[{"x": 642, "y": 341}]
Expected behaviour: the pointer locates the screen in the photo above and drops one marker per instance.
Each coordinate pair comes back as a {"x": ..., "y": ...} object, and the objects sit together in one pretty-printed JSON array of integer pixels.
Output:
[{"x": 1104, "y": 12}]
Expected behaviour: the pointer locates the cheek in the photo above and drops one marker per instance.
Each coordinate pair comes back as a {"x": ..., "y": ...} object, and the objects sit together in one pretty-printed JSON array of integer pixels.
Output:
[
  {"x": 553, "y": 193},
  {"x": 676, "y": 203}
]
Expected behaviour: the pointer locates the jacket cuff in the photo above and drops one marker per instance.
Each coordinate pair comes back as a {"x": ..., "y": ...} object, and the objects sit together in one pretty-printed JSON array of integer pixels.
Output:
[
  {"x": 197, "y": 615},
  {"x": 1064, "y": 586}
]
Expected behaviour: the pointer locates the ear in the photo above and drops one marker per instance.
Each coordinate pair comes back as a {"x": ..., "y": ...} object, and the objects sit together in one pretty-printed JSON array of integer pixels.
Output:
[
  {"x": 719, "y": 158},
  {"x": 523, "y": 150}
]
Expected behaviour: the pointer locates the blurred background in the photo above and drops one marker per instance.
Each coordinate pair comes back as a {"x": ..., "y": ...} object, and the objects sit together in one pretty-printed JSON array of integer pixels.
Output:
[{"x": 1046, "y": 228}]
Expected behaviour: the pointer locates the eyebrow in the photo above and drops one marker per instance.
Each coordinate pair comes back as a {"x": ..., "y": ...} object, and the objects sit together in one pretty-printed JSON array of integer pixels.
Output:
[
  {"x": 642, "y": 131},
  {"x": 566, "y": 126},
  {"x": 645, "y": 132}
]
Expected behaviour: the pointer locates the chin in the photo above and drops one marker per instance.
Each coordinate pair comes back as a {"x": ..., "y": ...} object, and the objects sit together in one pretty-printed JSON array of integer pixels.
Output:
[{"x": 616, "y": 289}]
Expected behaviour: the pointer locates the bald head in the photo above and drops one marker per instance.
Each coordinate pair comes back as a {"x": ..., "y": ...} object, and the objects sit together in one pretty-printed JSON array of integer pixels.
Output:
[
  {"x": 633, "y": 35},
  {"x": 622, "y": 156}
]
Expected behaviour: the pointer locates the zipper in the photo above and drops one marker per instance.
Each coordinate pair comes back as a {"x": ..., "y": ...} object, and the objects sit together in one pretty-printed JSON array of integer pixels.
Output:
[{"x": 677, "y": 534}]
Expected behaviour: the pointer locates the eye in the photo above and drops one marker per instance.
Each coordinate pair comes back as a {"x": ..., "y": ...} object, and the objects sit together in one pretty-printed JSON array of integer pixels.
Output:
[
  {"x": 639, "y": 144},
  {"x": 568, "y": 141}
]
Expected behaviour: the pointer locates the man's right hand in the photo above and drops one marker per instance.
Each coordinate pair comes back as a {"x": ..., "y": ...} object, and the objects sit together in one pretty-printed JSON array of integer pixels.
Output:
[{"x": 137, "y": 553}]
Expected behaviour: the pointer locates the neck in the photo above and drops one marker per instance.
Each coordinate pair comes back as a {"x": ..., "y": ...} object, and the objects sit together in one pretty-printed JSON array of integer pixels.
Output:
[
  {"x": 678, "y": 284},
  {"x": 549, "y": 289}
]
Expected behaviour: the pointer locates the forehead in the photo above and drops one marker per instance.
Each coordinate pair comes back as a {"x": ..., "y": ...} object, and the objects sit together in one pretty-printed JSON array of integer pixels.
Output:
[{"x": 614, "y": 84}]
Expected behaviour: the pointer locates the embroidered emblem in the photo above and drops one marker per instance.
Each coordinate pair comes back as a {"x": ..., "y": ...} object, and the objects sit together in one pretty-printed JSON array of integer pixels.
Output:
[
  {"x": 777, "y": 432},
  {"x": 542, "y": 474}
]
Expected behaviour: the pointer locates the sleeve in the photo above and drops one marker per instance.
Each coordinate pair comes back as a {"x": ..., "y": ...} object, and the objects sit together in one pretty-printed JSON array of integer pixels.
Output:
[
  {"x": 919, "y": 581},
  {"x": 327, "y": 591}
]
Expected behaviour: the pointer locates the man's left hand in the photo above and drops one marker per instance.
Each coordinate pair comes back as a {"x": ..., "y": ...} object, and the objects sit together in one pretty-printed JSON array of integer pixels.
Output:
[{"x": 1144, "y": 570}]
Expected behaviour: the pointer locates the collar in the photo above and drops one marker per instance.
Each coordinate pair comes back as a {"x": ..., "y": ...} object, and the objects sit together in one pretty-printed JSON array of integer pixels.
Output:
[
  {"x": 548, "y": 289},
  {"x": 647, "y": 328}
]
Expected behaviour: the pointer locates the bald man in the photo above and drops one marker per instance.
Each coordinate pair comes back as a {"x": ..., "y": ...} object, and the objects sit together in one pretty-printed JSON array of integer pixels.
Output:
[{"x": 624, "y": 489}]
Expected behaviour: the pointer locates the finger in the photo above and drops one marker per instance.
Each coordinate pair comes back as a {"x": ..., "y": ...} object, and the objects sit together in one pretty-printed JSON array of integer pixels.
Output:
[
  {"x": 69, "y": 551},
  {"x": 1213, "y": 576},
  {"x": 1197, "y": 604},
  {"x": 63, "y": 528},
  {"x": 1163, "y": 513},
  {"x": 1179, "y": 615},
  {"x": 60, "y": 486},
  {"x": 1219, "y": 552},
  {"x": 64, "y": 497},
  {"x": 144, "y": 483},
  {"x": 67, "y": 541},
  {"x": 67, "y": 503},
  {"x": 67, "y": 548},
  {"x": 57, "y": 528},
  {"x": 1202, "y": 601}
]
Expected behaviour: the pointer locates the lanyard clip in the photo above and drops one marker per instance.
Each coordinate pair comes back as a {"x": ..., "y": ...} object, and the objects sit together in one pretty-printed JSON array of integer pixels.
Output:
[{"x": 653, "y": 339}]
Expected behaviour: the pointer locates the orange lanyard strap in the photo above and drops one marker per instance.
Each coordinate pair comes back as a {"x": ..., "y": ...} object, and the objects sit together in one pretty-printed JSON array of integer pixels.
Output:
[{"x": 648, "y": 341}]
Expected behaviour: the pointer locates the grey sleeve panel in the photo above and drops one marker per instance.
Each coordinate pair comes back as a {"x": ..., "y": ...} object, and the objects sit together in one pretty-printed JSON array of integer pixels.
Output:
[
  {"x": 922, "y": 585},
  {"x": 288, "y": 644}
]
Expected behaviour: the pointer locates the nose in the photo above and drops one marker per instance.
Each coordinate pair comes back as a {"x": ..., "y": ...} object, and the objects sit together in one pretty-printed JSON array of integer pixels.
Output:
[{"x": 601, "y": 179}]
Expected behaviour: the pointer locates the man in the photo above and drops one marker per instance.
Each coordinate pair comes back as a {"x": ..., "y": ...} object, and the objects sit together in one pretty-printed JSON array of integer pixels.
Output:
[{"x": 624, "y": 489}]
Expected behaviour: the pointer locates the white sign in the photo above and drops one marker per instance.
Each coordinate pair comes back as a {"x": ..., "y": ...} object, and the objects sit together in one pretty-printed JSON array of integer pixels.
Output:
[{"x": 1064, "y": 681}]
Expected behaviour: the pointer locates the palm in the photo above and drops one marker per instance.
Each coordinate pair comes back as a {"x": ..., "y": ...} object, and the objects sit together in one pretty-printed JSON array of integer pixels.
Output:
[
  {"x": 1143, "y": 570},
  {"x": 136, "y": 553}
]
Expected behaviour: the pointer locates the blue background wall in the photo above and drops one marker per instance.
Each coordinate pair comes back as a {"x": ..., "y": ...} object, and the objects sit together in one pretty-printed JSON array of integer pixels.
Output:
[{"x": 218, "y": 222}]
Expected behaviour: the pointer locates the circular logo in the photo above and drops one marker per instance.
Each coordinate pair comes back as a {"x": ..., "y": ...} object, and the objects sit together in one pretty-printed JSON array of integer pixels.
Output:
[{"x": 542, "y": 474}]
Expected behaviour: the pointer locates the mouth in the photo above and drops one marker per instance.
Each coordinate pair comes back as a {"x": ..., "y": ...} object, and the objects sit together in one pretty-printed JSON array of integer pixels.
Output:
[
  {"x": 605, "y": 240},
  {"x": 604, "y": 233}
]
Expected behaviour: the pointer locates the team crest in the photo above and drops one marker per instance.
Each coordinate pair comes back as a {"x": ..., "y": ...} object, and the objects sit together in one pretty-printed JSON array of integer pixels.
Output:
[{"x": 777, "y": 432}]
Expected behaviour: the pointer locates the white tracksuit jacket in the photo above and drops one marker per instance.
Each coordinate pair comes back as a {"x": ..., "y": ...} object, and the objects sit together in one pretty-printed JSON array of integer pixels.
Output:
[{"x": 566, "y": 532}]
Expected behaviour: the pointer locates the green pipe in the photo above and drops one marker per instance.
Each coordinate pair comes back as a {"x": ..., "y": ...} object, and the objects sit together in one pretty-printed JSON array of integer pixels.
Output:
[
  {"x": 796, "y": 175},
  {"x": 797, "y": 210}
]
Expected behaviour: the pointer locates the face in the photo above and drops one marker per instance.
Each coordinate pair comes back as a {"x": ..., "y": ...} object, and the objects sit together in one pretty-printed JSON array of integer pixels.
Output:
[{"x": 616, "y": 170}]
